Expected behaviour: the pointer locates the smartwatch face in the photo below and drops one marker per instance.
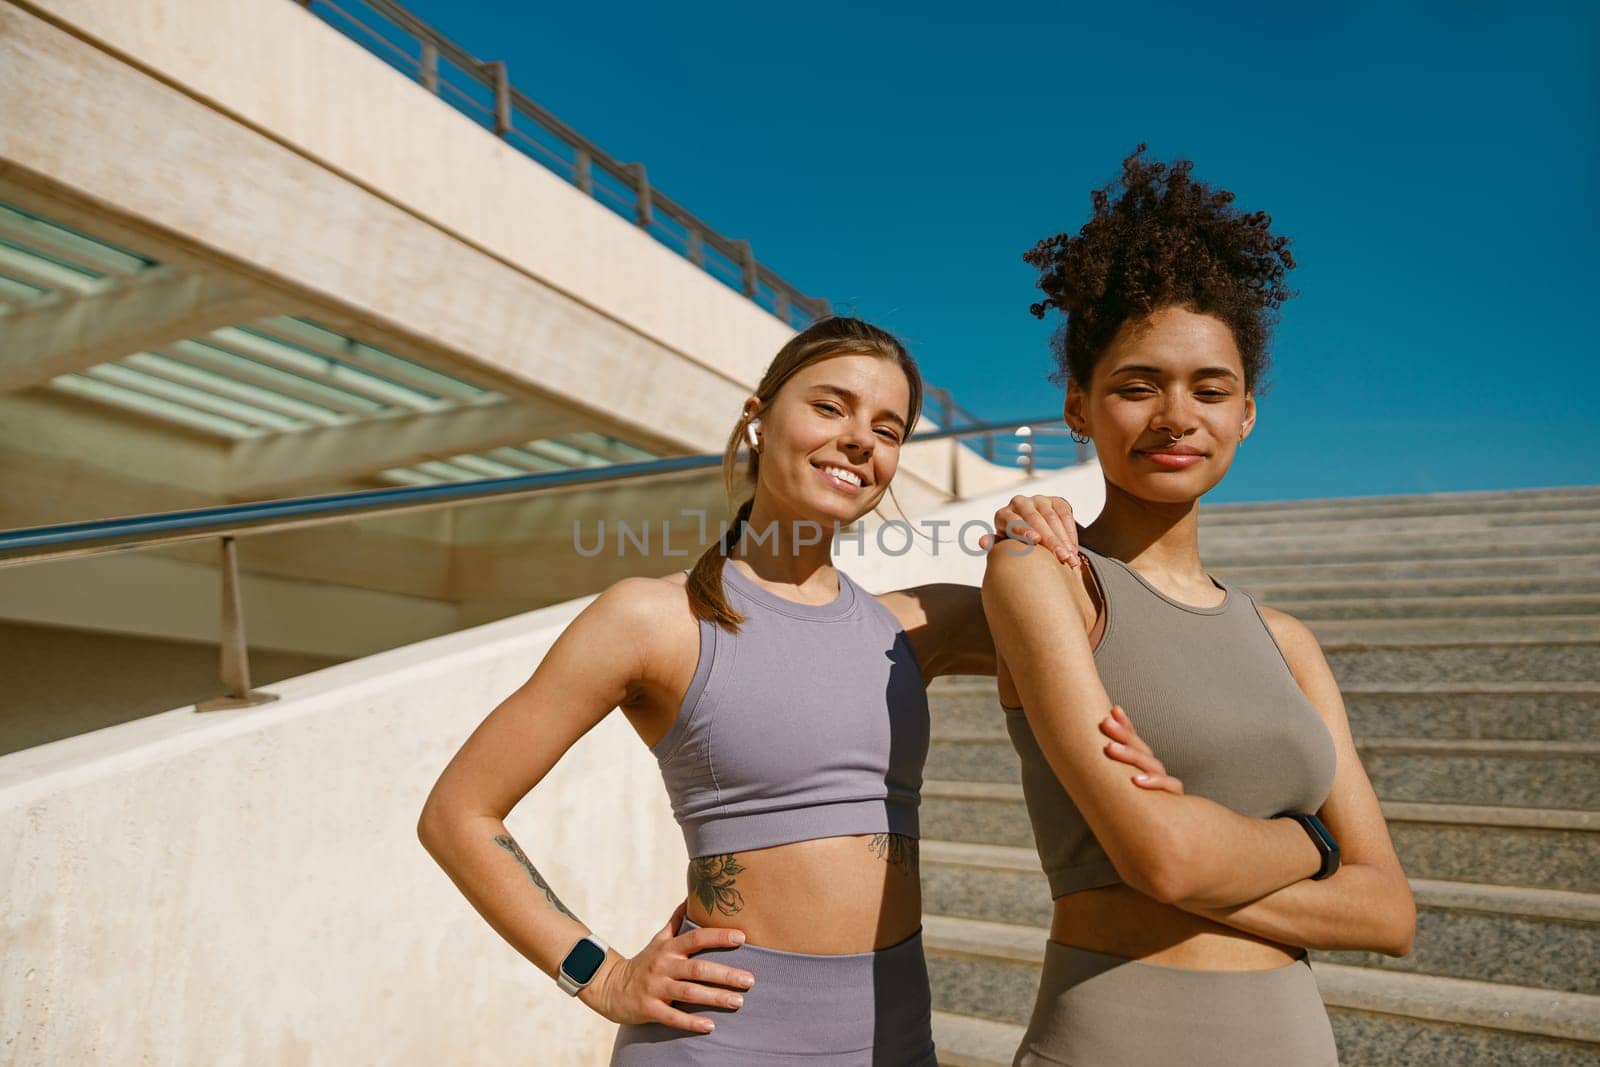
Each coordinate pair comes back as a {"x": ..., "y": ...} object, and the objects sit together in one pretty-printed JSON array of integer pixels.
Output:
[{"x": 584, "y": 959}]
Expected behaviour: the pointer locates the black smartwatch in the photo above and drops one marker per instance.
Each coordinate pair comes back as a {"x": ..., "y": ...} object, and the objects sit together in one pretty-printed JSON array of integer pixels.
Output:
[
  {"x": 581, "y": 964},
  {"x": 1320, "y": 837}
]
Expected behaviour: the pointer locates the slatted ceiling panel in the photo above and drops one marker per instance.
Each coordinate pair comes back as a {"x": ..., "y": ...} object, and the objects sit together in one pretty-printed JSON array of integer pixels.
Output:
[
  {"x": 483, "y": 467},
  {"x": 565, "y": 454},
  {"x": 173, "y": 392},
  {"x": 44, "y": 273},
  {"x": 68, "y": 245},
  {"x": 329, "y": 371},
  {"x": 534, "y": 457},
  {"x": 279, "y": 375},
  {"x": 447, "y": 471},
  {"x": 406, "y": 476},
  {"x": 516, "y": 457},
  {"x": 242, "y": 368},
  {"x": 131, "y": 400},
  {"x": 609, "y": 447},
  {"x": 173, "y": 370},
  {"x": 16, "y": 294},
  {"x": 305, "y": 334}
]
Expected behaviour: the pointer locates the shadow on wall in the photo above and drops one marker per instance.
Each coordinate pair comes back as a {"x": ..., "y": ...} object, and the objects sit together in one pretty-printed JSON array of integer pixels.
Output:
[{"x": 61, "y": 682}]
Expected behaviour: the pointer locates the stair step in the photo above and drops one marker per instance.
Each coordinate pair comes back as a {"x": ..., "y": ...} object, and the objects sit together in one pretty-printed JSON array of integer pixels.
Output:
[
  {"x": 1466, "y": 629},
  {"x": 1528, "y": 937},
  {"x": 968, "y": 1041},
  {"x": 1531, "y": 774},
  {"x": 1501, "y": 501},
  {"x": 1518, "y": 528},
  {"x": 1393, "y": 655},
  {"x": 991, "y": 971},
  {"x": 1548, "y": 711},
  {"x": 1455, "y": 1020},
  {"x": 1532, "y": 938},
  {"x": 1311, "y": 574},
  {"x": 1392, "y": 519},
  {"x": 1536, "y": 847},
  {"x": 1513, "y": 606},
  {"x": 1306, "y": 588},
  {"x": 1224, "y": 554}
]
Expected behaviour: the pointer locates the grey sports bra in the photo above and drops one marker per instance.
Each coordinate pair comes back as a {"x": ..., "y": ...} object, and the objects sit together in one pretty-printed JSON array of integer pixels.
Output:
[
  {"x": 1212, "y": 695},
  {"x": 811, "y": 721}
]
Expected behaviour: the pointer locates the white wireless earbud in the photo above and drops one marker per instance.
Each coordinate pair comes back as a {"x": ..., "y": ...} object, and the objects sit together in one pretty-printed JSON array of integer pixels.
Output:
[{"x": 750, "y": 433}]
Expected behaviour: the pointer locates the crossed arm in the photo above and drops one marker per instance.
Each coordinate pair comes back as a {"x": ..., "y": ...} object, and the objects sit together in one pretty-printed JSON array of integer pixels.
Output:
[
  {"x": 1182, "y": 850},
  {"x": 1367, "y": 903},
  {"x": 1251, "y": 874}
]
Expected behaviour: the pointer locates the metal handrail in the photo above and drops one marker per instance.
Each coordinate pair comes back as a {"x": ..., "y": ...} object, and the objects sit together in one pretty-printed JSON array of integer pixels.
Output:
[
  {"x": 70, "y": 540},
  {"x": 38, "y": 544},
  {"x": 647, "y": 202}
]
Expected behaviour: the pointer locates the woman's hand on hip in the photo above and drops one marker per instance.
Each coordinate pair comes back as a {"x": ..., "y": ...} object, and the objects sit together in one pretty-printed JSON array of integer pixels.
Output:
[
  {"x": 1126, "y": 746},
  {"x": 1045, "y": 521},
  {"x": 641, "y": 989}
]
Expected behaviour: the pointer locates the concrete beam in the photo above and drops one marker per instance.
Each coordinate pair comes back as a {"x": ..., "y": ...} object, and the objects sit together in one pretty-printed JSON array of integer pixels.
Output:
[
  {"x": 70, "y": 335},
  {"x": 285, "y": 463},
  {"x": 86, "y": 128},
  {"x": 388, "y": 218}
]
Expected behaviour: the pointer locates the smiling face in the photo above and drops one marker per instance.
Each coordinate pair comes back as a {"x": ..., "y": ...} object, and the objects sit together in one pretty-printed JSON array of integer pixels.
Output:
[
  {"x": 1174, "y": 374},
  {"x": 830, "y": 439}
]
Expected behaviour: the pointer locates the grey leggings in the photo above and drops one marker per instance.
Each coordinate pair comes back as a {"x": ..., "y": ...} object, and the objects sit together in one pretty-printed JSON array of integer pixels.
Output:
[
  {"x": 867, "y": 1009},
  {"x": 1095, "y": 1010}
]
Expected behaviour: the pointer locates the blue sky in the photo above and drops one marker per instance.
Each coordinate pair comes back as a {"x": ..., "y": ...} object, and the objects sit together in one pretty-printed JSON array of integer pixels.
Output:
[{"x": 1436, "y": 165}]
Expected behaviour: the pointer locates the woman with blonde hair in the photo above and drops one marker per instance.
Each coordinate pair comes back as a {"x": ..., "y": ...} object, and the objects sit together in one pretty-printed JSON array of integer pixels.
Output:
[{"x": 786, "y": 707}]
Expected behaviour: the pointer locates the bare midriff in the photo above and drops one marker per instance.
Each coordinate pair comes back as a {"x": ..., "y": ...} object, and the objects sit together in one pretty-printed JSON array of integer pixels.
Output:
[
  {"x": 831, "y": 896},
  {"x": 1120, "y": 921}
]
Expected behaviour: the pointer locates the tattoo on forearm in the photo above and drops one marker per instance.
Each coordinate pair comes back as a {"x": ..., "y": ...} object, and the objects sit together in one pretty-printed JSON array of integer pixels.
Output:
[
  {"x": 898, "y": 850},
  {"x": 505, "y": 842},
  {"x": 711, "y": 881}
]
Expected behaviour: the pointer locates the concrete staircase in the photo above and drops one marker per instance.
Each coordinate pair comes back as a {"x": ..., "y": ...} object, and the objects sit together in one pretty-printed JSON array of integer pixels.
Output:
[{"x": 1465, "y": 633}]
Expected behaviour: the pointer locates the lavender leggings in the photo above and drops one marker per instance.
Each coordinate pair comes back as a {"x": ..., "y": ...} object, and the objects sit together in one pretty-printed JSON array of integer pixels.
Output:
[{"x": 866, "y": 1009}]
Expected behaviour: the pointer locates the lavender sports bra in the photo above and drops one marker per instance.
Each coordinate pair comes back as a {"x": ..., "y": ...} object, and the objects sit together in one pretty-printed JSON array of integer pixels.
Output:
[{"x": 810, "y": 722}]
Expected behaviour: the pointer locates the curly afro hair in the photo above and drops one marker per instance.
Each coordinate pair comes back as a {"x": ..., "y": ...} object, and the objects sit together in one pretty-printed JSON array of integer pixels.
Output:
[{"x": 1166, "y": 240}]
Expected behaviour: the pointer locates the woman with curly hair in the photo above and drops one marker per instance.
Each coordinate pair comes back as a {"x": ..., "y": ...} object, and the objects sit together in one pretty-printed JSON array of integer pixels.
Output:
[{"x": 1181, "y": 919}]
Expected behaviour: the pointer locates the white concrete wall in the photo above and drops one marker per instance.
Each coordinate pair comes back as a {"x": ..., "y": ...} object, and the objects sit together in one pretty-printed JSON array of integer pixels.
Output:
[{"x": 246, "y": 887}]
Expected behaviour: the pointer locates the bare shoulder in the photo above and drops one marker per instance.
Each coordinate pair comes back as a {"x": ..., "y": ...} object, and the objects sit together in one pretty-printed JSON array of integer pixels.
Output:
[
  {"x": 931, "y": 604},
  {"x": 1021, "y": 573},
  {"x": 1294, "y": 637},
  {"x": 643, "y": 607}
]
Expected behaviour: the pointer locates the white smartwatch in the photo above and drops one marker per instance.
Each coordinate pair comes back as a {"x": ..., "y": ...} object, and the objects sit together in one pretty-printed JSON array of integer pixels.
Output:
[{"x": 581, "y": 964}]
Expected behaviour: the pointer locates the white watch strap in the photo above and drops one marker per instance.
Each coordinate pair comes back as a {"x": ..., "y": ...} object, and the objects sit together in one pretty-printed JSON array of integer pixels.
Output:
[{"x": 564, "y": 981}]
